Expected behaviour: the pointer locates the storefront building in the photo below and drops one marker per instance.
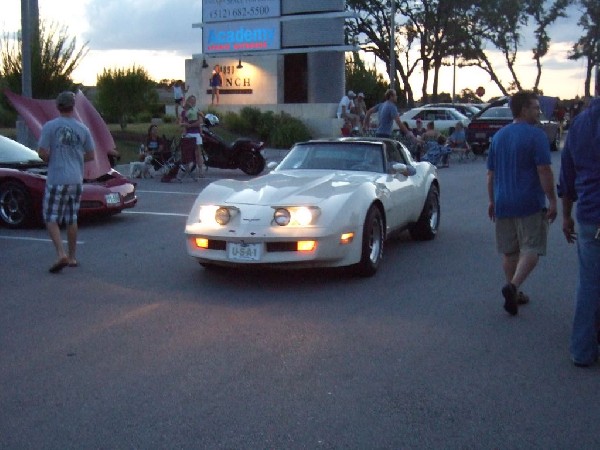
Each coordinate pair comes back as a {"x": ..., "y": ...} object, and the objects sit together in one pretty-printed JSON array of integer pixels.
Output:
[{"x": 278, "y": 55}]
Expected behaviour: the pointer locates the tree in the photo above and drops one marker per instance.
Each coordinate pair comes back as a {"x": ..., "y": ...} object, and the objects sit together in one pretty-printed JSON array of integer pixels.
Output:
[
  {"x": 588, "y": 45},
  {"x": 371, "y": 31},
  {"x": 361, "y": 79},
  {"x": 122, "y": 93},
  {"x": 504, "y": 32},
  {"x": 53, "y": 61},
  {"x": 55, "y": 56},
  {"x": 438, "y": 25}
]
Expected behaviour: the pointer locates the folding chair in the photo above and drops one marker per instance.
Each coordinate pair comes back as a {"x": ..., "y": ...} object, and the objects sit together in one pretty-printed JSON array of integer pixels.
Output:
[
  {"x": 164, "y": 161},
  {"x": 188, "y": 166}
]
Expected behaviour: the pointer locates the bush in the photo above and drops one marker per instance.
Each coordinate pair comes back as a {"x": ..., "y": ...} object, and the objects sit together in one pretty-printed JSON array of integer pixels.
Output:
[
  {"x": 144, "y": 116},
  {"x": 232, "y": 121},
  {"x": 168, "y": 118},
  {"x": 280, "y": 131},
  {"x": 287, "y": 131},
  {"x": 265, "y": 125},
  {"x": 250, "y": 117}
]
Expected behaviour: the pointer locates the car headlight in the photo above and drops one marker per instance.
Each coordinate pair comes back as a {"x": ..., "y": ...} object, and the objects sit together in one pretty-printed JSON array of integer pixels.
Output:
[
  {"x": 300, "y": 216},
  {"x": 216, "y": 215}
]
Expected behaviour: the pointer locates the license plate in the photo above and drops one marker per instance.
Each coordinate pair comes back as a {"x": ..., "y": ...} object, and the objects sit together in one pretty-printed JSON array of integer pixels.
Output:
[
  {"x": 479, "y": 135},
  {"x": 113, "y": 199},
  {"x": 243, "y": 251}
]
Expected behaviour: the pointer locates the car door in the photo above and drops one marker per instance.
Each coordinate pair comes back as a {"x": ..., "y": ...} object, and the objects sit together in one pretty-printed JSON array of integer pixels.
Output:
[{"x": 402, "y": 188}]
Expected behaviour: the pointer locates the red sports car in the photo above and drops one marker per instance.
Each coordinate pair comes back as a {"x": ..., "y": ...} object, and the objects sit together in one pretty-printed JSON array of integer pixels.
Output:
[{"x": 23, "y": 180}]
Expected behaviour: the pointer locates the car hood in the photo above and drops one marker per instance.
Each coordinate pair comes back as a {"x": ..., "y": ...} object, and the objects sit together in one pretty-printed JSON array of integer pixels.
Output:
[{"x": 297, "y": 187}]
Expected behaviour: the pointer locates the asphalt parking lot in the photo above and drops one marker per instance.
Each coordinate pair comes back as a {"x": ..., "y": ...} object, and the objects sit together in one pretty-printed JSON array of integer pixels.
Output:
[{"x": 140, "y": 347}]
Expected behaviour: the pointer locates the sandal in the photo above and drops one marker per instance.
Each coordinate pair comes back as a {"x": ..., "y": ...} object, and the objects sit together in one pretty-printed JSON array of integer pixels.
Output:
[{"x": 59, "y": 265}]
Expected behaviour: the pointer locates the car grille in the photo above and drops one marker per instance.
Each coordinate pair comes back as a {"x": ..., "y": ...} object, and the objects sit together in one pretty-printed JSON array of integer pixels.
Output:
[
  {"x": 90, "y": 204},
  {"x": 129, "y": 197},
  {"x": 272, "y": 247}
]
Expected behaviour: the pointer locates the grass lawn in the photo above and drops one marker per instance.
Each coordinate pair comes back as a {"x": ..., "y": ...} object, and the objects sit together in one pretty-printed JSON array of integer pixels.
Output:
[{"x": 128, "y": 141}]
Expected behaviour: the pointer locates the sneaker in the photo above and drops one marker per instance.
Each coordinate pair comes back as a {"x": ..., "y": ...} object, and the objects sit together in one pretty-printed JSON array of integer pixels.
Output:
[
  {"x": 584, "y": 364},
  {"x": 509, "y": 291},
  {"x": 522, "y": 298}
]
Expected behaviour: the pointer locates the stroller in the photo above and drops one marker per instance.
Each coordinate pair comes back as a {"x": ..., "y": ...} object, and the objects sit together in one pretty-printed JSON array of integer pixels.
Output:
[{"x": 183, "y": 162}]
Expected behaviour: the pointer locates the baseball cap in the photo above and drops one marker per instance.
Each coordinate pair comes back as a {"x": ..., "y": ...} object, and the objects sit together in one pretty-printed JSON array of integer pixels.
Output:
[
  {"x": 360, "y": 94},
  {"x": 65, "y": 99},
  {"x": 351, "y": 94}
]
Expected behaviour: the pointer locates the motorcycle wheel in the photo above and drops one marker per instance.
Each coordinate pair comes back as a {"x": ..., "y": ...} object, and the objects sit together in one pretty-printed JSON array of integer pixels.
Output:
[{"x": 251, "y": 163}]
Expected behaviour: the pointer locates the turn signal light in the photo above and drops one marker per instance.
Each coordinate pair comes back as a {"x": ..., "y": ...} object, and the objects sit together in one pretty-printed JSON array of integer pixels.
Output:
[
  {"x": 201, "y": 242},
  {"x": 307, "y": 246},
  {"x": 346, "y": 238}
]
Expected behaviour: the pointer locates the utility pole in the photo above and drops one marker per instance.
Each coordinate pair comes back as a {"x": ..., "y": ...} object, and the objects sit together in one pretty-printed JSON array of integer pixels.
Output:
[
  {"x": 26, "y": 23},
  {"x": 393, "y": 44},
  {"x": 29, "y": 31}
]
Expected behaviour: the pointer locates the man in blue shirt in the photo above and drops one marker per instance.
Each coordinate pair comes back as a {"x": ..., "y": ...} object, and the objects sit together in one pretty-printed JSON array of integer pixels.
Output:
[
  {"x": 65, "y": 144},
  {"x": 519, "y": 180},
  {"x": 580, "y": 182},
  {"x": 387, "y": 113}
]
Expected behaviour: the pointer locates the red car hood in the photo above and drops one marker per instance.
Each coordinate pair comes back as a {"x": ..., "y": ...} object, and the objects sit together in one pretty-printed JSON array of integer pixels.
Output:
[{"x": 37, "y": 112}]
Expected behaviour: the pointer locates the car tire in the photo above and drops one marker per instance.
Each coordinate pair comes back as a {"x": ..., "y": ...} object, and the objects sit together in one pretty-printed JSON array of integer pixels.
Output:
[
  {"x": 427, "y": 226},
  {"x": 251, "y": 163},
  {"x": 373, "y": 238},
  {"x": 15, "y": 205}
]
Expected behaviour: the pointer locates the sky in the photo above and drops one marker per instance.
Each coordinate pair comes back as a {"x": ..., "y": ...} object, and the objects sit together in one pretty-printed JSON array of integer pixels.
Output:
[{"x": 158, "y": 36}]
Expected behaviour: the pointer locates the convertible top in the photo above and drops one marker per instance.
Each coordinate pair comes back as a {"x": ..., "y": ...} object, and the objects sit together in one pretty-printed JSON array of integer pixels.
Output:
[{"x": 37, "y": 112}]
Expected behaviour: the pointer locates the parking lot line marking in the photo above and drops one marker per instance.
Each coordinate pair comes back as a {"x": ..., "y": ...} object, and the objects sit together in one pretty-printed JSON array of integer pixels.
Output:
[
  {"x": 150, "y": 213},
  {"x": 23, "y": 238}
]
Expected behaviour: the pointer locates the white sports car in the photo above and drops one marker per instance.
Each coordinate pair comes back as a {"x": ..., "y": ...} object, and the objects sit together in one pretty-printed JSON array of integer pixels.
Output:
[{"x": 329, "y": 203}]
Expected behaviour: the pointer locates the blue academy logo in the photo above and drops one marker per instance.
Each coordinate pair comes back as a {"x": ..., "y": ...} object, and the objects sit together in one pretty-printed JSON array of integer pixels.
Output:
[{"x": 241, "y": 39}]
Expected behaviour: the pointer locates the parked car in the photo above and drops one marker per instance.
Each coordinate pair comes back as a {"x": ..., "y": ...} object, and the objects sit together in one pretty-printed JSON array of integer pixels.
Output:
[
  {"x": 329, "y": 203},
  {"x": 23, "y": 181},
  {"x": 443, "y": 118},
  {"x": 485, "y": 124},
  {"x": 466, "y": 110}
]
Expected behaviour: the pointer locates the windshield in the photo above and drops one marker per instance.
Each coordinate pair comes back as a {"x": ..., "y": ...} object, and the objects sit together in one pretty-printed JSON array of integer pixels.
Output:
[
  {"x": 500, "y": 112},
  {"x": 503, "y": 112},
  {"x": 11, "y": 152},
  {"x": 335, "y": 156}
]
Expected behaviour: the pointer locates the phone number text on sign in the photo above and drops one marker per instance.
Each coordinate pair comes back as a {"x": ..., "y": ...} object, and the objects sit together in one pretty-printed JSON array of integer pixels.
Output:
[{"x": 223, "y": 10}]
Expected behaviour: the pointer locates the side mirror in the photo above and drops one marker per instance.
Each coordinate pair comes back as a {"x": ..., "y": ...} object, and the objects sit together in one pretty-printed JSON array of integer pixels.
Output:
[
  {"x": 403, "y": 169},
  {"x": 271, "y": 165}
]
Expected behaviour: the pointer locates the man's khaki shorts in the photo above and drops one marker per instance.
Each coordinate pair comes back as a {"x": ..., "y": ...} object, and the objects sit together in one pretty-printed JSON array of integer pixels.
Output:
[{"x": 522, "y": 234}]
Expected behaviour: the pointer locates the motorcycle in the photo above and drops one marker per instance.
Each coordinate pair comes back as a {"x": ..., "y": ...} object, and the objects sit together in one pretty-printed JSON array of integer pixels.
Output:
[{"x": 243, "y": 153}]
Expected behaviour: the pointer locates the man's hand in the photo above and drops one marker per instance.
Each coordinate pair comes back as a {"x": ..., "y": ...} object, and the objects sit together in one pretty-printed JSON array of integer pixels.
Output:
[
  {"x": 551, "y": 212},
  {"x": 492, "y": 212},
  {"x": 568, "y": 228}
]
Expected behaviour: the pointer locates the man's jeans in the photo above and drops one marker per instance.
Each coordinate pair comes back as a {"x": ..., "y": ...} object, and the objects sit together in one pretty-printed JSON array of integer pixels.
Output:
[{"x": 584, "y": 337}]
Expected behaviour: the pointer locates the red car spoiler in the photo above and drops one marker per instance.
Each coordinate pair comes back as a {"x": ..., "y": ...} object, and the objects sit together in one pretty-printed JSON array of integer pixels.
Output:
[{"x": 37, "y": 112}]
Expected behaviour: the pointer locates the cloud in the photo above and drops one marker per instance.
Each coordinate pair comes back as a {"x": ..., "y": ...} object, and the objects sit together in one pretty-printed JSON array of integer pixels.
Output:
[{"x": 144, "y": 25}]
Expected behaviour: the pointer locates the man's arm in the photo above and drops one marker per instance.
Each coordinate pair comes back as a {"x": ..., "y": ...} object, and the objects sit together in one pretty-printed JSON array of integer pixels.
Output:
[
  {"x": 568, "y": 224},
  {"x": 404, "y": 129},
  {"x": 547, "y": 182},
  {"x": 44, "y": 154},
  {"x": 368, "y": 116},
  {"x": 89, "y": 156},
  {"x": 490, "y": 189}
]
